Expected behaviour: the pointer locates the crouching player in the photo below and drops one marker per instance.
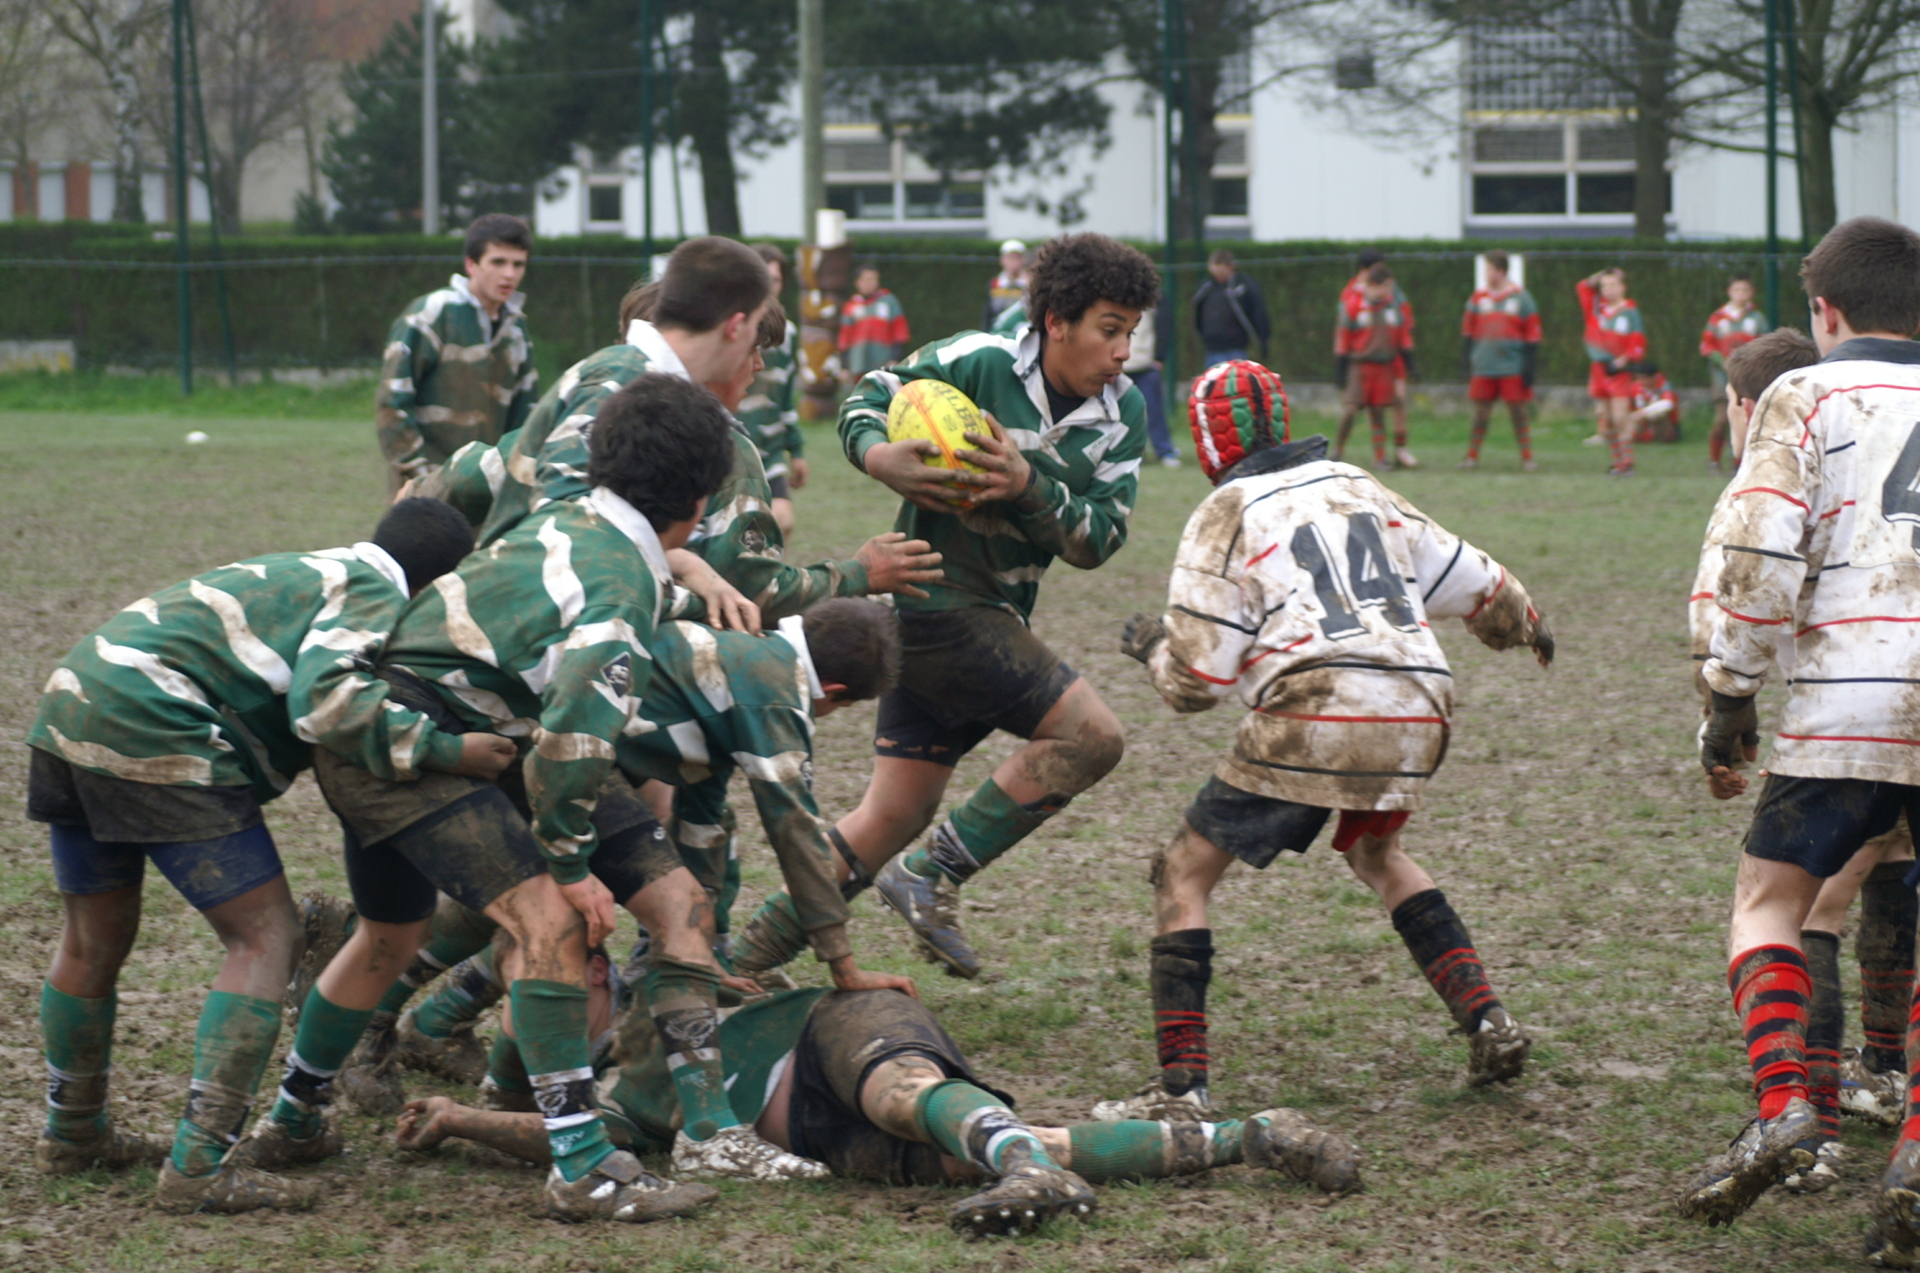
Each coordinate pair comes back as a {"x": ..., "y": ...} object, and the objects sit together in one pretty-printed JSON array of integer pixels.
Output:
[
  {"x": 1350, "y": 695},
  {"x": 160, "y": 737},
  {"x": 870, "y": 1084},
  {"x": 1816, "y": 532}
]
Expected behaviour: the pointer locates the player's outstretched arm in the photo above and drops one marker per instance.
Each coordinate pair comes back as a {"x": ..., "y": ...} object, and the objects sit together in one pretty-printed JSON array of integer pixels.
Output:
[{"x": 1458, "y": 581}]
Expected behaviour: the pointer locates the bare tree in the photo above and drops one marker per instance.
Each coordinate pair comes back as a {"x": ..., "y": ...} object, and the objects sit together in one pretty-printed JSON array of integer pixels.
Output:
[
  {"x": 115, "y": 36},
  {"x": 29, "y": 77}
]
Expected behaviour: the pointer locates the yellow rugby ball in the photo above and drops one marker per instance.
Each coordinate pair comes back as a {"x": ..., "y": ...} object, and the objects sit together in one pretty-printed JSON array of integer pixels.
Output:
[{"x": 934, "y": 411}]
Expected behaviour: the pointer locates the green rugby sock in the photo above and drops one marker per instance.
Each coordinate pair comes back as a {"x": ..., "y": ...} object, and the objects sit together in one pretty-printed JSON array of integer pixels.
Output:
[
  {"x": 772, "y": 938},
  {"x": 78, "y": 1034},
  {"x": 1139, "y": 1150},
  {"x": 984, "y": 826},
  {"x": 470, "y": 990},
  {"x": 974, "y": 1125},
  {"x": 550, "y": 1019},
  {"x": 684, "y": 1001},
  {"x": 231, "y": 1050},
  {"x": 327, "y": 1036},
  {"x": 504, "y": 1066}
]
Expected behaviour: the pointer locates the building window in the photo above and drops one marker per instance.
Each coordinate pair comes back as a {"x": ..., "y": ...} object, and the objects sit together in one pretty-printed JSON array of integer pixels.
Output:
[
  {"x": 603, "y": 203},
  {"x": 1231, "y": 173},
  {"x": 1519, "y": 196},
  {"x": 879, "y": 181}
]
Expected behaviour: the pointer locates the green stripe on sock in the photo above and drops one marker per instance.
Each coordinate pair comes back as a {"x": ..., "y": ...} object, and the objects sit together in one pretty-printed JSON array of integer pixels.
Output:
[
  {"x": 78, "y": 1035},
  {"x": 966, "y": 1121},
  {"x": 327, "y": 1035},
  {"x": 683, "y": 998},
  {"x": 504, "y": 1066},
  {"x": 988, "y": 823},
  {"x": 550, "y": 1020},
  {"x": 231, "y": 1050}
]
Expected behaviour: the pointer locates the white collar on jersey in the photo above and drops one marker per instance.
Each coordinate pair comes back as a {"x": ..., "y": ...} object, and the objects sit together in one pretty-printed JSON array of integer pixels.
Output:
[
  {"x": 793, "y": 631},
  {"x": 646, "y": 338},
  {"x": 515, "y": 305},
  {"x": 1092, "y": 412},
  {"x": 630, "y": 522},
  {"x": 381, "y": 560}
]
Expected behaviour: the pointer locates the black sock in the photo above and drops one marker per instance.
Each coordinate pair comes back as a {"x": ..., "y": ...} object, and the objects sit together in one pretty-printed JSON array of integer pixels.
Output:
[
  {"x": 1439, "y": 943},
  {"x": 1182, "y": 966},
  {"x": 1826, "y": 1022},
  {"x": 1884, "y": 947}
]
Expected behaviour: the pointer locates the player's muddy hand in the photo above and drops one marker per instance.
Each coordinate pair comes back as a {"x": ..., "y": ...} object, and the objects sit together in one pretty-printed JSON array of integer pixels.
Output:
[
  {"x": 1007, "y": 474},
  {"x": 849, "y": 976},
  {"x": 484, "y": 755},
  {"x": 900, "y": 467},
  {"x": 595, "y": 903},
  {"x": 1729, "y": 740},
  {"x": 895, "y": 563},
  {"x": 727, "y": 607},
  {"x": 406, "y": 489},
  {"x": 423, "y": 1124},
  {"x": 1725, "y": 784},
  {"x": 1142, "y": 633},
  {"x": 1542, "y": 640},
  {"x": 741, "y": 985},
  {"x": 796, "y": 472}
]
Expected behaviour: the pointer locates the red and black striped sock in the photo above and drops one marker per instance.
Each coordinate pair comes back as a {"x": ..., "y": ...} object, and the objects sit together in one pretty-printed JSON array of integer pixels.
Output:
[
  {"x": 1379, "y": 430},
  {"x": 1771, "y": 991},
  {"x": 1182, "y": 967},
  {"x": 1439, "y": 943},
  {"x": 1910, "y": 1130},
  {"x": 1826, "y": 1022},
  {"x": 1889, "y": 909}
]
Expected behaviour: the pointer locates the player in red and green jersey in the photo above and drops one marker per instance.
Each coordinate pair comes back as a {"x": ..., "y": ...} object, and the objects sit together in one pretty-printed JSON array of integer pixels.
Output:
[
  {"x": 1373, "y": 344},
  {"x": 873, "y": 326},
  {"x": 1502, "y": 331},
  {"x": 1728, "y": 328},
  {"x": 1615, "y": 338}
]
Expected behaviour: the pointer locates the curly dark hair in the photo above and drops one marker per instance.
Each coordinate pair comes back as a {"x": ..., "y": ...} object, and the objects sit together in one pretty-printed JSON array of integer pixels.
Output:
[
  {"x": 663, "y": 445},
  {"x": 1071, "y": 272},
  {"x": 855, "y": 643}
]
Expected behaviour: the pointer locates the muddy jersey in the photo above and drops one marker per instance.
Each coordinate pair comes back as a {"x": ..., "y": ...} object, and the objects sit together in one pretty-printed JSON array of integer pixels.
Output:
[
  {"x": 452, "y": 374},
  {"x": 1817, "y": 538},
  {"x": 768, "y": 410},
  {"x": 1086, "y": 471},
  {"x": 1305, "y": 587},
  {"x": 543, "y": 637},
  {"x": 228, "y": 679},
  {"x": 1501, "y": 325},
  {"x": 721, "y": 702}
]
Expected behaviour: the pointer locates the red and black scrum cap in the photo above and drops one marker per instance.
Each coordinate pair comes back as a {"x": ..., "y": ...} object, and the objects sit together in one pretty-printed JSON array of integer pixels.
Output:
[{"x": 1233, "y": 410}]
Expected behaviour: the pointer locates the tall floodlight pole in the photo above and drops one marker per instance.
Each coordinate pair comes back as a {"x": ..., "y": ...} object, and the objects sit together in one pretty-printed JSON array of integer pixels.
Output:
[
  {"x": 429, "y": 121},
  {"x": 180, "y": 247},
  {"x": 1170, "y": 14},
  {"x": 1773, "y": 165},
  {"x": 813, "y": 62},
  {"x": 646, "y": 137}
]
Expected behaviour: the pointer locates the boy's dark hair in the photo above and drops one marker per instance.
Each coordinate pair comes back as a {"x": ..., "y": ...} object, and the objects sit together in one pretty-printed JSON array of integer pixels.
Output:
[
  {"x": 663, "y": 445},
  {"x": 1368, "y": 258},
  {"x": 1764, "y": 359},
  {"x": 707, "y": 281},
  {"x": 1220, "y": 256},
  {"x": 1497, "y": 259},
  {"x": 638, "y": 303},
  {"x": 773, "y": 325},
  {"x": 497, "y": 227},
  {"x": 1068, "y": 274},
  {"x": 854, "y": 643},
  {"x": 1740, "y": 278},
  {"x": 865, "y": 267},
  {"x": 426, "y": 537},
  {"x": 1380, "y": 274},
  {"x": 1645, "y": 367},
  {"x": 772, "y": 255},
  {"x": 1868, "y": 269}
]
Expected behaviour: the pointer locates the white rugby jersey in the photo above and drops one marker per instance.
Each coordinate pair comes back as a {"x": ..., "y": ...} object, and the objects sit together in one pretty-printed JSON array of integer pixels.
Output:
[
  {"x": 1819, "y": 534},
  {"x": 1306, "y": 587}
]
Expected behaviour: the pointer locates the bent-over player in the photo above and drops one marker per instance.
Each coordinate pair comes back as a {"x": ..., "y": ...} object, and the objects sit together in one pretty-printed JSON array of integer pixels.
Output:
[{"x": 1304, "y": 587}]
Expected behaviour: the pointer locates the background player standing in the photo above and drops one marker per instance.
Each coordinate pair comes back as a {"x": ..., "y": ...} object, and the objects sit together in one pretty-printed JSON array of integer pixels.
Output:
[
  {"x": 1616, "y": 338},
  {"x": 459, "y": 363},
  {"x": 1502, "y": 331},
  {"x": 1728, "y": 328},
  {"x": 1009, "y": 286},
  {"x": 1373, "y": 347},
  {"x": 873, "y": 326}
]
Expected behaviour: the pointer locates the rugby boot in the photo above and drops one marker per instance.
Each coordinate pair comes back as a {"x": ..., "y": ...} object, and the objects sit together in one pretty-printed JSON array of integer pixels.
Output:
[
  {"x": 370, "y": 1079},
  {"x": 1822, "y": 1175},
  {"x": 1765, "y": 1150},
  {"x": 1286, "y": 1141},
  {"x": 459, "y": 1058},
  {"x": 493, "y": 1096},
  {"x": 1871, "y": 1095},
  {"x": 1027, "y": 1195},
  {"x": 1468, "y": 464},
  {"x": 113, "y": 1149},
  {"x": 1403, "y": 458},
  {"x": 621, "y": 1189},
  {"x": 1497, "y": 1051},
  {"x": 326, "y": 921},
  {"x": 272, "y": 1146},
  {"x": 1897, "y": 1210},
  {"x": 932, "y": 910},
  {"x": 1154, "y": 1104},
  {"x": 1883, "y": 1252},
  {"x": 230, "y": 1189},
  {"x": 739, "y": 1153}
]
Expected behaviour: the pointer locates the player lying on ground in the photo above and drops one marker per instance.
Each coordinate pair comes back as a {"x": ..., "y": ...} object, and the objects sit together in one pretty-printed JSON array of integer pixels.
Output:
[
  {"x": 1816, "y": 535},
  {"x": 870, "y": 1084},
  {"x": 1351, "y": 699},
  {"x": 1057, "y": 479},
  {"x": 160, "y": 737}
]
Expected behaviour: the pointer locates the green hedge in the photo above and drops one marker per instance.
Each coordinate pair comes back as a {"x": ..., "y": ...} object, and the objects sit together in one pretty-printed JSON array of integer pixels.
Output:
[{"x": 328, "y": 301}]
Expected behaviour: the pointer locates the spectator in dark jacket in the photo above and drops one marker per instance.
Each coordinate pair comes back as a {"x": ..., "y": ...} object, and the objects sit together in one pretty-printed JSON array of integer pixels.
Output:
[{"x": 1229, "y": 312}]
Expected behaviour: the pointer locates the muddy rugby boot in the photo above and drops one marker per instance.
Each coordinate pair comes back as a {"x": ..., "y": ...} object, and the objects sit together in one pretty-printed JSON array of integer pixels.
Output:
[
  {"x": 1822, "y": 1175},
  {"x": 230, "y": 1189},
  {"x": 326, "y": 922},
  {"x": 459, "y": 1058},
  {"x": 1764, "y": 1151},
  {"x": 370, "y": 1080},
  {"x": 1897, "y": 1210},
  {"x": 1154, "y": 1104},
  {"x": 1497, "y": 1051},
  {"x": 493, "y": 1096},
  {"x": 113, "y": 1149},
  {"x": 738, "y": 1153},
  {"x": 621, "y": 1189},
  {"x": 932, "y": 910},
  {"x": 272, "y": 1146},
  {"x": 1286, "y": 1141},
  {"x": 1871, "y": 1095},
  {"x": 1027, "y": 1195},
  {"x": 1883, "y": 1252}
]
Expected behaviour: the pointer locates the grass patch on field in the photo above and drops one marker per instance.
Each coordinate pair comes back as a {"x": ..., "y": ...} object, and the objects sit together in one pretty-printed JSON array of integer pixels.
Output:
[
  {"x": 212, "y": 398},
  {"x": 1568, "y": 826}
]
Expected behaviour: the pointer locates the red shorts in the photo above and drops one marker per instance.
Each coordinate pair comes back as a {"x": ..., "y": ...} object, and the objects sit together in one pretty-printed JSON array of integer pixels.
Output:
[
  {"x": 1503, "y": 388},
  {"x": 1604, "y": 382},
  {"x": 1355, "y": 823},
  {"x": 1375, "y": 384}
]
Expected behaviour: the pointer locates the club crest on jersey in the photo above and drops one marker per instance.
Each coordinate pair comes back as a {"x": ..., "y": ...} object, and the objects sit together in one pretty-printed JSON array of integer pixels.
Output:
[{"x": 618, "y": 674}]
